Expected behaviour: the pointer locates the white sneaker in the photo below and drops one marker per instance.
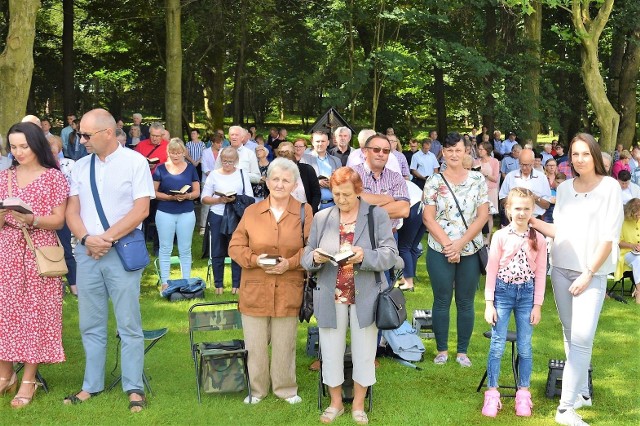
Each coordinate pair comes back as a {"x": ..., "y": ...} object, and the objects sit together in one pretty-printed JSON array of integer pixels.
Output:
[
  {"x": 581, "y": 401},
  {"x": 570, "y": 418},
  {"x": 294, "y": 400},
  {"x": 252, "y": 400}
]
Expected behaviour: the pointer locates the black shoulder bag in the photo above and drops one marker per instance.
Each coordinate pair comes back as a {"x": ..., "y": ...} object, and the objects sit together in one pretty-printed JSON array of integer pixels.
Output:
[
  {"x": 483, "y": 253},
  {"x": 390, "y": 310},
  {"x": 306, "y": 309},
  {"x": 234, "y": 210}
]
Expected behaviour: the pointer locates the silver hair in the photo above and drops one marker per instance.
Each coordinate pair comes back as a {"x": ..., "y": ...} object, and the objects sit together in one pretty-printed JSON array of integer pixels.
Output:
[
  {"x": 607, "y": 156},
  {"x": 342, "y": 129},
  {"x": 286, "y": 165},
  {"x": 229, "y": 152},
  {"x": 137, "y": 115},
  {"x": 157, "y": 126},
  {"x": 364, "y": 135},
  {"x": 120, "y": 132},
  {"x": 237, "y": 127}
]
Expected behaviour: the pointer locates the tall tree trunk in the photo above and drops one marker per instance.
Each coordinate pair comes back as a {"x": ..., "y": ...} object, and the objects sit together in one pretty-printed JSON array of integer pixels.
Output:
[
  {"x": 491, "y": 41},
  {"x": 623, "y": 80},
  {"x": 173, "y": 88},
  {"x": 531, "y": 86},
  {"x": 588, "y": 31},
  {"x": 441, "y": 107},
  {"x": 68, "y": 92},
  {"x": 16, "y": 62},
  {"x": 238, "y": 86}
]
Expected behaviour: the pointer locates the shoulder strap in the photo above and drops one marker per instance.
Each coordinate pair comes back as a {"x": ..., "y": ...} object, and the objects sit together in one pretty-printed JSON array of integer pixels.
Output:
[
  {"x": 96, "y": 196},
  {"x": 152, "y": 151},
  {"x": 302, "y": 221},
  {"x": 455, "y": 199},
  {"x": 372, "y": 237},
  {"x": 242, "y": 179},
  {"x": 10, "y": 180}
]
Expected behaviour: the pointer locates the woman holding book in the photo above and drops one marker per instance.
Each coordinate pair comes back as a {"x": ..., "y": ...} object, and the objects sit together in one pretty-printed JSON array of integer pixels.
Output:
[
  {"x": 221, "y": 188},
  {"x": 348, "y": 290},
  {"x": 268, "y": 245},
  {"x": 30, "y": 305},
  {"x": 177, "y": 184}
]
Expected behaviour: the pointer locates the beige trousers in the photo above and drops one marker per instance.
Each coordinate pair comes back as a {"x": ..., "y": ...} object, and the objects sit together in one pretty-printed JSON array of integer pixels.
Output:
[
  {"x": 363, "y": 348},
  {"x": 282, "y": 334}
]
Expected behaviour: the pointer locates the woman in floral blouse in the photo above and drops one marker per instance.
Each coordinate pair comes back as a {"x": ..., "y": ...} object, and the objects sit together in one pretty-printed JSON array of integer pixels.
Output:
[{"x": 452, "y": 253}]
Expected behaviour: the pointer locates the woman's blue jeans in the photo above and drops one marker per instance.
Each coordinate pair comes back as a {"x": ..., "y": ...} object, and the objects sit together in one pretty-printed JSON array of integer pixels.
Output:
[
  {"x": 168, "y": 226},
  {"x": 516, "y": 298},
  {"x": 218, "y": 250}
]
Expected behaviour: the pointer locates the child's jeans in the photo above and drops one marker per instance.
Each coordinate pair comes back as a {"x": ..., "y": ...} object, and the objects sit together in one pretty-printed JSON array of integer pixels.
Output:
[{"x": 516, "y": 298}]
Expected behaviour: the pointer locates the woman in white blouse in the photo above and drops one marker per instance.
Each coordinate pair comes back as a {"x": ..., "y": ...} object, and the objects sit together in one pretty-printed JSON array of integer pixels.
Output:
[{"x": 587, "y": 220}]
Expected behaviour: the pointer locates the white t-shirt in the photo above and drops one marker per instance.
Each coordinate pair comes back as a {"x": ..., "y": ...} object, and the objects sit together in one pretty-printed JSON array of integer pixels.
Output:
[
  {"x": 121, "y": 179},
  {"x": 583, "y": 221},
  {"x": 216, "y": 181},
  {"x": 536, "y": 182}
]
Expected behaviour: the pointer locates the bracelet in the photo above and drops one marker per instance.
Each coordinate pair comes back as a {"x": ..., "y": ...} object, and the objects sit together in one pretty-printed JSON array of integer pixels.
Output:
[
  {"x": 35, "y": 221},
  {"x": 590, "y": 272},
  {"x": 84, "y": 239}
]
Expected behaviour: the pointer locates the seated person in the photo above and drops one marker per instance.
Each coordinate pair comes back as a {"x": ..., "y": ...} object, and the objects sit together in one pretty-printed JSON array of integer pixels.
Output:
[
  {"x": 630, "y": 243},
  {"x": 629, "y": 189}
]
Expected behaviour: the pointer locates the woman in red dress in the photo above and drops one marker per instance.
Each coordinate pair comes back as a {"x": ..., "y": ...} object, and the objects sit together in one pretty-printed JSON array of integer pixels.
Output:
[{"x": 30, "y": 305}]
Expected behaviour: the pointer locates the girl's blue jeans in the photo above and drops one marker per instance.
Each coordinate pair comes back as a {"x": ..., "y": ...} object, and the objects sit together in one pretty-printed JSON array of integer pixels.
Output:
[{"x": 516, "y": 298}]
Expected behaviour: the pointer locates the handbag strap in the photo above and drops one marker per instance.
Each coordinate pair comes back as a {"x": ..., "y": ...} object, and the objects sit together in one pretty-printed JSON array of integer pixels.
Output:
[
  {"x": 30, "y": 241},
  {"x": 457, "y": 205},
  {"x": 152, "y": 151},
  {"x": 10, "y": 181},
  {"x": 302, "y": 222},
  {"x": 373, "y": 240},
  {"x": 96, "y": 196},
  {"x": 242, "y": 179}
]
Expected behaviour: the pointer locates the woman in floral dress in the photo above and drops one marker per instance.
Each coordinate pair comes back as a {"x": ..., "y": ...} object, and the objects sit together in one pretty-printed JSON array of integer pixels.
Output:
[
  {"x": 451, "y": 257},
  {"x": 30, "y": 305}
]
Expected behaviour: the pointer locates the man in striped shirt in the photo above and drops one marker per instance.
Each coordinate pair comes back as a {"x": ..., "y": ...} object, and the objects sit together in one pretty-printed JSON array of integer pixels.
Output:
[
  {"x": 380, "y": 186},
  {"x": 195, "y": 147}
]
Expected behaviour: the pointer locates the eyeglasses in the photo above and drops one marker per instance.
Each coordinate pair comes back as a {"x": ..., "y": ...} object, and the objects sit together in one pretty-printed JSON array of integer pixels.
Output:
[
  {"x": 87, "y": 136},
  {"x": 299, "y": 146},
  {"x": 228, "y": 163},
  {"x": 526, "y": 165},
  {"x": 377, "y": 150}
]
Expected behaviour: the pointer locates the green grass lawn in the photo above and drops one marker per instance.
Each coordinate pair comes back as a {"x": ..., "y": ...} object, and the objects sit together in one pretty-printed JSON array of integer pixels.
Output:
[{"x": 437, "y": 395}]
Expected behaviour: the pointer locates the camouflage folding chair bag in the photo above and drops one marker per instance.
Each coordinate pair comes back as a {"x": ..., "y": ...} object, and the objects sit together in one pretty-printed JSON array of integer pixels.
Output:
[{"x": 220, "y": 366}]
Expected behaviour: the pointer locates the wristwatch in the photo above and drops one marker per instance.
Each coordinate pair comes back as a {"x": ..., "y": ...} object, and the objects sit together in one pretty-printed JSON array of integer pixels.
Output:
[{"x": 84, "y": 239}]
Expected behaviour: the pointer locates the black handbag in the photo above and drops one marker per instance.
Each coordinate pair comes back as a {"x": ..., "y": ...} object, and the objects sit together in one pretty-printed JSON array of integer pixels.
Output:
[
  {"x": 483, "y": 252},
  {"x": 391, "y": 309},
  {"x": 234, "y": 211},
  {"x": 132, "y": 248},
  {"x": 306, "y": 309}
]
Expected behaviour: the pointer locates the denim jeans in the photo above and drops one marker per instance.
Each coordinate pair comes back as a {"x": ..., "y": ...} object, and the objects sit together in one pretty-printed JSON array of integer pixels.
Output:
[
  {"x": 516, "y": 298},
  {"x": 409, "y": 237},
  {"x": 169, "y": 225},
  {"x": 218, "y": 250}
]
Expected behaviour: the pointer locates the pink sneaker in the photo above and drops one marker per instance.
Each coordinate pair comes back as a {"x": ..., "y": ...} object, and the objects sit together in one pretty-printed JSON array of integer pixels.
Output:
[
  {"x": 491, "y": 403},
  {"x": 523, "y": 403}
]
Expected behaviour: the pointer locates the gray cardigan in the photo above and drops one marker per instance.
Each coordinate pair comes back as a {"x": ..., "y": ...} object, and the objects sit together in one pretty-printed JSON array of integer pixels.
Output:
[{"x": 380, "y": 259}]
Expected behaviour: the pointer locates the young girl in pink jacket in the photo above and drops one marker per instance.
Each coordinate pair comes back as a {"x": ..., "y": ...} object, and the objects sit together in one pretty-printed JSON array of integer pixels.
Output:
[{"x": 516, "y": 276}]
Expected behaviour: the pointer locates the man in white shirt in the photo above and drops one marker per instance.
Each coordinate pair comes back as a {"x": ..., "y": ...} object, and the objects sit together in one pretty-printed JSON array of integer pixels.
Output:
[
  {"x": 247, "y": 159},
  {"x": 423, "y": 164},
  {"x": 629, "y": 189},
  {"x": 125, "y": 188},
  {"x": 527, "y": 177}
]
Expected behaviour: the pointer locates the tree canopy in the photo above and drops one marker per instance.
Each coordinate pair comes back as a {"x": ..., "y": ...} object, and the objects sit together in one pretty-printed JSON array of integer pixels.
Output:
[{"x": 513, "y": 65}]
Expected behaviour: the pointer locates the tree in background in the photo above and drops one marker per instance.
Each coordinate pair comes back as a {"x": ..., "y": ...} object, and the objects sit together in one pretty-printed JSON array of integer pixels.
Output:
[{"x": 16, "y": 62}]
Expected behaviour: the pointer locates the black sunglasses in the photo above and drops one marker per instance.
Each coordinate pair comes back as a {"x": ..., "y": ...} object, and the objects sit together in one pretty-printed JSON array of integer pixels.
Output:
[
  {"x": 377, "y": 150},
  {"x": 87, "y": 136}
]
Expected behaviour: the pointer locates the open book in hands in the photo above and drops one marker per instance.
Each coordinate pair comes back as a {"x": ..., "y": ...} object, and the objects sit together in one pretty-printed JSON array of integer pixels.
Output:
[
  {"x": 182, "y": 190},
  {"x": 338, "y": 258},
  {"x": 16, "y": 204},
  {"x": 227, "y": 194}
]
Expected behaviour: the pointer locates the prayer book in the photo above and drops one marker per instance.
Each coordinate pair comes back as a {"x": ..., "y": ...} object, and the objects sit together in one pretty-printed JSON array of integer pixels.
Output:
[
  {"x": 228, "y": 194},
  {"x": 16, "y": 204},
  {"x": 338, "y": 258},
  {"x": 271, "y": 260},
  {"x": 182, "y": 190},
  {"x": 154, "y": 160}
]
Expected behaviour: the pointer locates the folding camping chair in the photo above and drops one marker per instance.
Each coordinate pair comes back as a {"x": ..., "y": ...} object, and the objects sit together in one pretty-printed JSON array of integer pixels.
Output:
[{"x": 220, "y": 365}]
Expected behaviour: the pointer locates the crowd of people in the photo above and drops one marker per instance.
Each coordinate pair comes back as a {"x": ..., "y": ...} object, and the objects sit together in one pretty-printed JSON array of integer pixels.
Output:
[{"x": 304, "y": 202}]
